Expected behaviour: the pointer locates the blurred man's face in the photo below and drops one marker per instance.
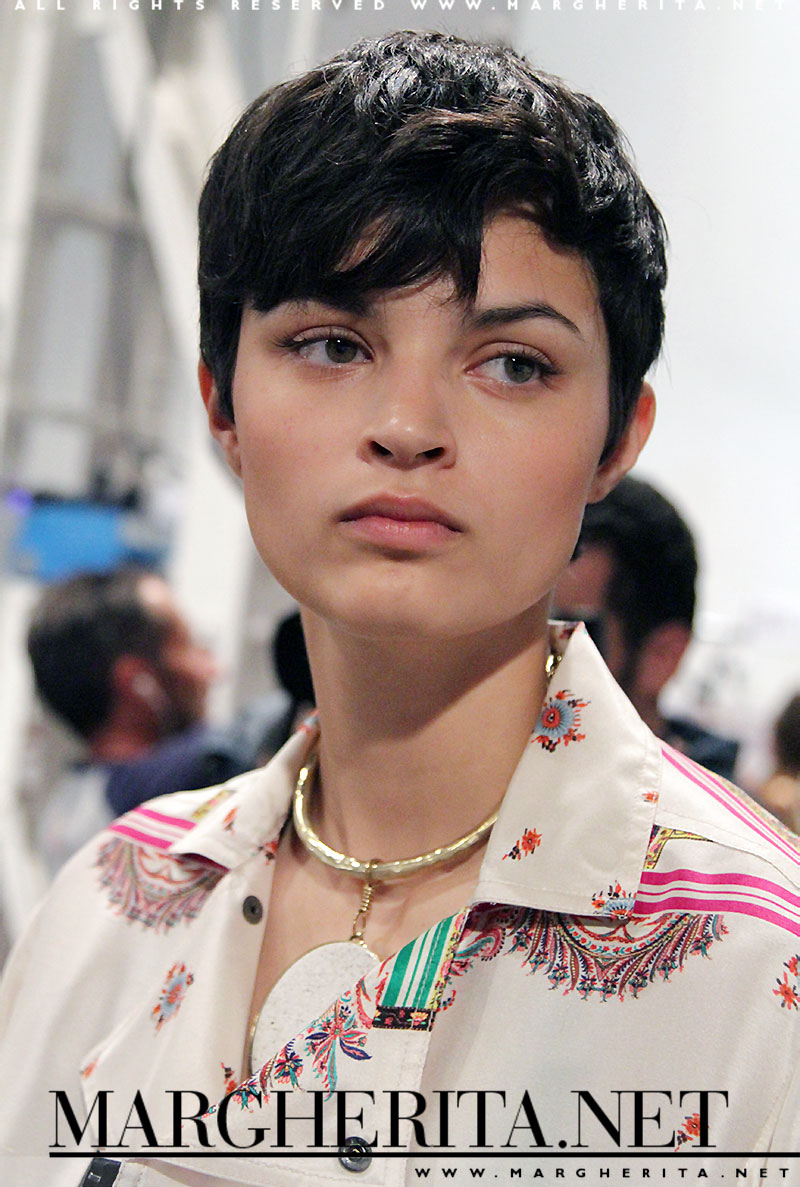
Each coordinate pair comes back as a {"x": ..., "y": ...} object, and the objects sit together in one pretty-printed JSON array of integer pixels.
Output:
[
  {"x": 184, "y": 669},
  {"x": 582, "y": 593}
]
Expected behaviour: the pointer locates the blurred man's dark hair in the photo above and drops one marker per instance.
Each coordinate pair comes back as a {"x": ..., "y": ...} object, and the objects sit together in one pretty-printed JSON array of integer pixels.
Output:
[
  {"x": 654, "y": 554},
  {"x": 79, "y": 629},
  {"x": 787, "y": 737}
]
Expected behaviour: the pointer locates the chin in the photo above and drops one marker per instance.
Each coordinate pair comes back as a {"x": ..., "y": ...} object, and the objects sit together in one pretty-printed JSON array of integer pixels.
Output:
[{"x": 396, "y": 620}]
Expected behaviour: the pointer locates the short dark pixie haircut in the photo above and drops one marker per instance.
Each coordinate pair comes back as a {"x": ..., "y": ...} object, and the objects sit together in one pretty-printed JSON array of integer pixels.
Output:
[
  {"x": 78, "y": 630},
  {"x": 410, "y": 144}
]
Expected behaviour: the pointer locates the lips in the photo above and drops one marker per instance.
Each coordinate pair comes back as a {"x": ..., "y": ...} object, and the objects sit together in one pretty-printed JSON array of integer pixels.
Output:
[
  {"x": 402, "y": 509},
  {"x": 401, "y": 524}
]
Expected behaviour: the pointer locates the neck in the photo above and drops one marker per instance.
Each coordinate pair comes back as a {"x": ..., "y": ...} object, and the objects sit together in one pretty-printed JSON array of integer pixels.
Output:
[{"x": 419, "y": 739}]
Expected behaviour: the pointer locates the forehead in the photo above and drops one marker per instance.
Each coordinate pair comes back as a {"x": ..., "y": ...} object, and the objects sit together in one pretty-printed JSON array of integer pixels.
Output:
[
  {"x": 518, "y": 267},
  {"x": 517, "y": 258}
]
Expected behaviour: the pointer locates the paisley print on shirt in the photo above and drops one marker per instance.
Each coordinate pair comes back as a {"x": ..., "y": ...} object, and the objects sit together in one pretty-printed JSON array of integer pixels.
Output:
[
  {"x": 603, "y": 958},
  {"x": 151, "y": 887},
  {"x": 169, "y": 1002}
]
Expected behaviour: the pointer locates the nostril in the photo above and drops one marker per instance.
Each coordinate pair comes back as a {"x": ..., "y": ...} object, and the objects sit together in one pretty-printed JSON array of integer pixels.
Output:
[
  {"x": 381, "y": 450},
  {"x": 437, "y": 452}
]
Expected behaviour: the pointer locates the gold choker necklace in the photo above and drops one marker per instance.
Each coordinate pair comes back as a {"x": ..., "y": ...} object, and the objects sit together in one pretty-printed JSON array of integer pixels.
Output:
[
  {"x": 374, "y": 871},
  {"x": 307, "y": 987},
  {"x": 383, "y": 871}
]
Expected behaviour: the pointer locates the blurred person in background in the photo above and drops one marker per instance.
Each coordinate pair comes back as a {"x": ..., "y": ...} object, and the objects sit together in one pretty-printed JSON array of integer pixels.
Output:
[
  {"x": 633, "y": 581},
  {"x": 268, "y": 721},
  {"x": 115, "y": 660},
  {"x": 781, "y": 792}
]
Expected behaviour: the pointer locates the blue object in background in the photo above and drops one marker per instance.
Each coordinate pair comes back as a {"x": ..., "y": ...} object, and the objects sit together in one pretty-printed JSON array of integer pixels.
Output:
[{"x": 56, "y": 538}]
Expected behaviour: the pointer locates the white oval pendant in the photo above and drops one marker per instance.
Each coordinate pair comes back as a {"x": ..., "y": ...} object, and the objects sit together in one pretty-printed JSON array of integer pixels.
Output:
[{"x": 304, "y": 993}]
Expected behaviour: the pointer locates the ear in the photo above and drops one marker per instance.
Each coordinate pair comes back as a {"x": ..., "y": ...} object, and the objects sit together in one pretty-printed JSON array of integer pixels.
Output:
[
  {"x": 659, "y": 656},
  {"x": 222, "y": 428},
  {"x": 132, "y": 676},
  {"x": 630, "y": 446}
]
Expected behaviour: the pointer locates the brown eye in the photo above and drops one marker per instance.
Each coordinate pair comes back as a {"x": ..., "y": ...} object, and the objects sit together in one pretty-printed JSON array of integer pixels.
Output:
[
  {"x": 518, "y": 369},
  {"x": 512, "y": 369},
  {"x": 340, "y": 350}
]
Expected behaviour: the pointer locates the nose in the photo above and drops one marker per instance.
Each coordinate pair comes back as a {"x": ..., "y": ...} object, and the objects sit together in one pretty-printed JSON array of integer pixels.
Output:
[{"x": 409, "y": 428}]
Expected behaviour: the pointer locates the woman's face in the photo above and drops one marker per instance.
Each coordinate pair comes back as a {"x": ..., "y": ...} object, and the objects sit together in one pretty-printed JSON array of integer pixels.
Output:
[{"x": 420, "y": 467}]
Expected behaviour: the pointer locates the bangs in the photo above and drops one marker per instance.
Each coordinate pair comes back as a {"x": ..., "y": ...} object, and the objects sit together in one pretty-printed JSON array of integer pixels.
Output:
[{"x": 415, "y": 211}]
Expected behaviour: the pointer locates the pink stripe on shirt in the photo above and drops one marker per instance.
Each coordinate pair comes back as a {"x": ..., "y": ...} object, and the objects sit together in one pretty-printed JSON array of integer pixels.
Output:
[
  {"x": 705, "y": 906},
  {"x": 144, "y": 838},
  {"x": 663, "y": 877},
  {"x": 176, "y": 821},
  {"x": 736, "y": 807}
]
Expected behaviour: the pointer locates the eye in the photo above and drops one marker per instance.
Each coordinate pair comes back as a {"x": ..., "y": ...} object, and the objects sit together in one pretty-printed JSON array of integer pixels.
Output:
[
  {"x": 329, "y": 349},
  {"x": 515, "y": 368}
]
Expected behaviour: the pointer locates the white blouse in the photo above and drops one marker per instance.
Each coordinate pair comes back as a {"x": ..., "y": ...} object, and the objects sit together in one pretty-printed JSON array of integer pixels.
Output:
[{"x": 620, "y": 999}]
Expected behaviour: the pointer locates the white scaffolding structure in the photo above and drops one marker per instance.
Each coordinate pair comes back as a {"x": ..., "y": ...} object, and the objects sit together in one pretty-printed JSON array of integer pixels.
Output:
[{"x": 109, "y": 119}]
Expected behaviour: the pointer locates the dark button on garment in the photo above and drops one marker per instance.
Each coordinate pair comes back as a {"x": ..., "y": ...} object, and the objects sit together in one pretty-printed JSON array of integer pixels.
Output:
[
  {"x": 355, "y": 1154},
  {"x": 102, "y": 1172},
  {"x": 252, "y": 909}
]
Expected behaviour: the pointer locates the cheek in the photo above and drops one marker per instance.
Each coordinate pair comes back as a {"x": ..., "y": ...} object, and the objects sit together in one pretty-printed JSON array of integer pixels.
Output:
[
  {"x": 281, "y": 478},
  {"x": 271, "y": 457},
  {"x": 539, "y": 509}
]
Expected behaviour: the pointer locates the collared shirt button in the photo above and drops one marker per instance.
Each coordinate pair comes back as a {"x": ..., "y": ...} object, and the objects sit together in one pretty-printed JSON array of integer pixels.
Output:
[
  {"x": 355, "y": 1154},
  {"x": 102, "y": 1172},
  {"x": 252, "y": 909}
]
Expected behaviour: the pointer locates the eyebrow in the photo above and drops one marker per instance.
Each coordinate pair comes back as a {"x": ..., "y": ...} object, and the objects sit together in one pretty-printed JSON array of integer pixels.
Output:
[
  {"x": 355, "y": 305},
  {"x": 506, "y": 314},
  {"x": 479, "y": 320}
]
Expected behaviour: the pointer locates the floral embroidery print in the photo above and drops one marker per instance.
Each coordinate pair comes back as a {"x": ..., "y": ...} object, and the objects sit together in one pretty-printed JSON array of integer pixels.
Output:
[
  {"x": 270, "y": 849},
  {"x": 230, "y": 817},
  {"x": 602, "y": 959},
  {"x": 341, "y": 1031},
  {"x": 786, "y": 992},
  {"x": 615, "y": 903},
  {"x": 658, "y": 839},
  {"x": 337, "y": 1031},
  {"x": 689, "y": 1130},
  {"x": 154, "y": 888},
  {"x": 287, "y": 1067},
  {"x": 177, "y": 982},
  {"x": 245, "y": 1094},
  {"x": 559, "y": 721},
  {"x": 526, "y": 844},
  {"x": 229, "y": 1078}
]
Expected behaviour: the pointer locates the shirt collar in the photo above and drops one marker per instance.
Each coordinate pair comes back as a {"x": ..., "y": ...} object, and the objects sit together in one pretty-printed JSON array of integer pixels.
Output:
[
  {"x": 245, "y": 815},
  {"x": 575, "y": 823}
]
